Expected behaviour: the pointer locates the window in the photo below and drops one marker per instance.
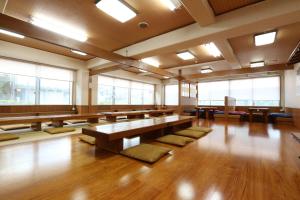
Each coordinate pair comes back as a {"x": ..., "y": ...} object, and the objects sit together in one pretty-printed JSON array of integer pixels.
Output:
[
  {"x": 17, "y": 90},
  {"x": 121, "y": 91},
  {"x": 148, "y": 95},
  {"x": 113, "y": 91},
  {"x": 248, "y": 92},
  {"x": 24, "y": 83},
  {"x": 171, "y": 94},
  {"x": 193, "y": 90},
  {"x": 54, "y": 92},
  {"x": 185, "y": 89},
  {"x": 136, "y": 93},
  {"x": 241, "y": 90},
  {"x": 213, "y": 93},
  {"x": 266, "y": 91}
]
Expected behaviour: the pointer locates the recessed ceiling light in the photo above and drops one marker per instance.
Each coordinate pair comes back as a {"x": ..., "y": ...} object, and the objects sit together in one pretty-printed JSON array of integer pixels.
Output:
[
  {"x": 59, "y": 28},
  {"x": 166, "y": 77},
  {"x": 141, "y": 70},
  {"x": 11, "y": 33},
  {"x": 117, "y": 9},
  {"x": 206, "y": 70},
  {"x": 257, "y": 64},
  {"x": 79, "y": 52},
  {"x": 212, "y": 49},
  {"x": 171, "y": 4},
  {"x": 185, "y": 55},
  {"x": 265, "y": 38},
  {"x": 151, "y": 61}
]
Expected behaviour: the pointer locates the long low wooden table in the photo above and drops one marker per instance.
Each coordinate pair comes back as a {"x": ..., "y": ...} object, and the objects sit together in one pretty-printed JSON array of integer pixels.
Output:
[
  {"x": 110, "y": 136},
  {"x": 57, "y": 120},
  {"x": 140, "y": 114}
]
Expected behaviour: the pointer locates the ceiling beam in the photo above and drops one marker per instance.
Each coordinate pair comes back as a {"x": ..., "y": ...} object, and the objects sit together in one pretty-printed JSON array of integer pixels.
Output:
[
  {"x": 104, "y": 70},
  {"x": 31, "y": 31},
  {"x": 228, "y": 53},
  {"x": 247, "y": 70},
  {"x": 256, "y": 18},
  {"x": 200, "y": 10}
]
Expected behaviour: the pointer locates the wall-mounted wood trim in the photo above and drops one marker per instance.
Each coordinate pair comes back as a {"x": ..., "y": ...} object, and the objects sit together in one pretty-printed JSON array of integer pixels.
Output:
[
  {"x": 31, "y": 31},
  {"x": 247, "y": 70}
]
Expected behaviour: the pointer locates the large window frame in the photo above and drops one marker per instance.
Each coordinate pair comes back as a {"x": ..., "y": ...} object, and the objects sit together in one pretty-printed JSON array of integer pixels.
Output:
[
  {"x": 38, "y": 73},
  {"x": 130, "y": 88},
  {"x": 253, "y": 102}
]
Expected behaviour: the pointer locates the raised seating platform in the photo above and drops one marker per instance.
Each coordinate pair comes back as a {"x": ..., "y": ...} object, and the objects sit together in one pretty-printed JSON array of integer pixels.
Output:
[{"x": 110, "y": 136}]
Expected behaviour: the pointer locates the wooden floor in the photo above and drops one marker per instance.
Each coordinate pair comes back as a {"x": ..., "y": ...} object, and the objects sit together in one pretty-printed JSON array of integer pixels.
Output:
[{"x": 235, "y": 161}]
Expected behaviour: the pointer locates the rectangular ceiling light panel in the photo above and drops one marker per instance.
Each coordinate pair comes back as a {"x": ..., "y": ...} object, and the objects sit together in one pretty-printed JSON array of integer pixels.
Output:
[
  {"x": 257, "y": 64},
  {"x": 151, "y": 61},
  {"x": 206, "y": 70},
  {"x": 11, "y": 33},
  {"x": 186, "y": 55},
  {"x": 212, "y": 49},
  {"x": 79, "y": 52},
  {"x": 265, "y": 38},
  {"x": 117, "y": 9},
  {"x": 59, "y": 28}
]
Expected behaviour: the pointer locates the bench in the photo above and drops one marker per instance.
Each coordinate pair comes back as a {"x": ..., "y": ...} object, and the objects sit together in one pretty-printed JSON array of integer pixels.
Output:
[
  {"x": 110, "y": 136},
  {"x": 57, "y": 120},
  {"x": 140, "y": 114}
]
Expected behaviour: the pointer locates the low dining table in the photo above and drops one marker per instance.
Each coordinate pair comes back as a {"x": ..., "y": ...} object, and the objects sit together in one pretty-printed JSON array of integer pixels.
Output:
[
  {"x": 206, "y": 110},
  {"x": 264, "y": 111}
]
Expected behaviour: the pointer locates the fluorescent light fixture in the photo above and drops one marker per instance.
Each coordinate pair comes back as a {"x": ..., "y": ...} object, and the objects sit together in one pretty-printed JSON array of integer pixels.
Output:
[
  {"x": 265, "y": 38},
  {"x": 212, "y": 49},
  {"x": 171, "y": 4},
  {"x": 79, "y": 52},
  {"x": 257, "y": 64},
  {"x": 166, "y": 77},
  {"x": 59, "y": 28},
  {"x": 141, "y": 70},
  {"x": 11, "y": 33},
  {"x": 206, "y": 70},
  {"x": 185, "y": 55},
  {"x": 151, "y": 61},
  {"x": 117, "y": 9}
]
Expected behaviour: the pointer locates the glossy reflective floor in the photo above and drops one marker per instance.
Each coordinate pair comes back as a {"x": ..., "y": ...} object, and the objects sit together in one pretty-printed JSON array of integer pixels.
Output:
[{"x": 235, "y": 161}]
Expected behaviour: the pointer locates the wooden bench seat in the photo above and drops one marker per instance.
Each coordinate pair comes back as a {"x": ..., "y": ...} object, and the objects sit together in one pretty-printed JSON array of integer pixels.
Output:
[
  {"x": 57, "y": 120},
  {"x": 140, "y": 114}
]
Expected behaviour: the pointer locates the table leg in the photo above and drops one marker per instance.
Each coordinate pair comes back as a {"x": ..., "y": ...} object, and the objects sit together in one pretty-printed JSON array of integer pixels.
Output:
[
  {"x": 93, "y": 120},
  {"x": 111, "y": 118},
  {"x": 37, "y": 126},
  {"x": 266, "y": 117},
  {"x": 206, "y": 114},
  {"x": 114, "y": 146},
  {"x": 59, "y": 123},
  {"x": 250, "y": 116}
]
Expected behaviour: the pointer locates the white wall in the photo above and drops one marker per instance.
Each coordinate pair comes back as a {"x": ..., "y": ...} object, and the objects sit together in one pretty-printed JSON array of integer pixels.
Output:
[
  {"x": 291, "y": 99},
  {"x": 11, "y": 50}
]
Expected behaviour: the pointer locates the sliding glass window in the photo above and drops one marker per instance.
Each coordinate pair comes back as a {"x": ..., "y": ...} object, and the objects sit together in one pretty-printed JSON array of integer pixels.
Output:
[
  {"x": 24, "y": 83},
  {"x": 171, "y": 95},
  {"x": 248, "y": 92},
  {"x": 114, "y": 91}
]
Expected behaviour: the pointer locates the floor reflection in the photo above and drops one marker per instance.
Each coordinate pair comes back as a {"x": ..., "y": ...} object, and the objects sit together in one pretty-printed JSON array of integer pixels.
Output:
[{"x": 255, "y": 141}]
